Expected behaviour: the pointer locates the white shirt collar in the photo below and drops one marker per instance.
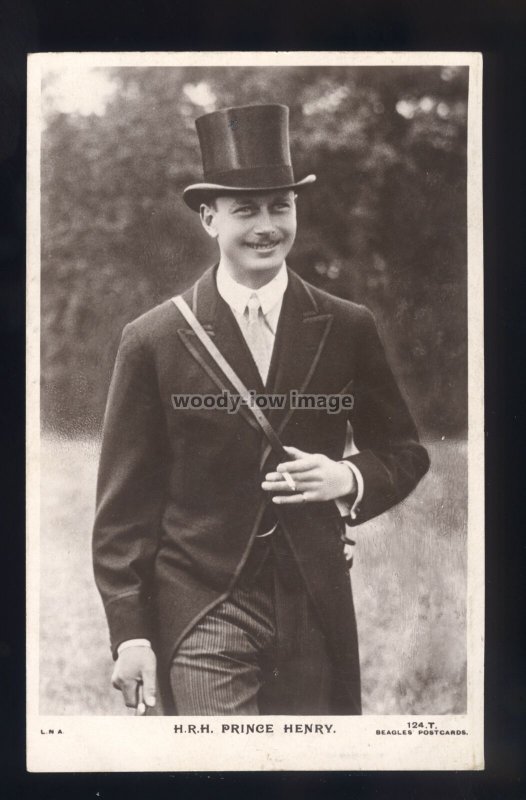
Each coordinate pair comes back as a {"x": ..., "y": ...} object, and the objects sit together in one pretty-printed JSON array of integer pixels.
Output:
[{"x": 237, "y": 295}]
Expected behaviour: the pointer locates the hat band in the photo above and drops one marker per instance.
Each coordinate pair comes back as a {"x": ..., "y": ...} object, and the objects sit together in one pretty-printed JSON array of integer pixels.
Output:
[{"x": 254, "y": 177}]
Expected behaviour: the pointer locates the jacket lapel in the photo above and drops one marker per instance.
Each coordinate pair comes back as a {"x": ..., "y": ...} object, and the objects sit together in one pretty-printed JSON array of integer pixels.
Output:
[{"x": 219, "y": 322}]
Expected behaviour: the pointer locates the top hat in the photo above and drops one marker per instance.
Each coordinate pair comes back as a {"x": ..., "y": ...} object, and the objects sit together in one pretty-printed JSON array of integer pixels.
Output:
[{"x": 244, "y": 149}]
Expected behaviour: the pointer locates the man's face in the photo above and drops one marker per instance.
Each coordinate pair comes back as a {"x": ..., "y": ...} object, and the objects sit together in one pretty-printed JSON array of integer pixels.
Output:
[{"x": 254, "y": 232}]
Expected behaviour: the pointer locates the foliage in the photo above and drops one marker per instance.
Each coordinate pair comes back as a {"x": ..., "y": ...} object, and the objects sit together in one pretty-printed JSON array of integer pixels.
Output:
[
  {"x": 409, "y": 586},
  {"x": 385, "y": 224}
]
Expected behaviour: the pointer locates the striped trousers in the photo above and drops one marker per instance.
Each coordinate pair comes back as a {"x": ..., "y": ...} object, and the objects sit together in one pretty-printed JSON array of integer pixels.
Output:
[{"x": 261, "y": 651}]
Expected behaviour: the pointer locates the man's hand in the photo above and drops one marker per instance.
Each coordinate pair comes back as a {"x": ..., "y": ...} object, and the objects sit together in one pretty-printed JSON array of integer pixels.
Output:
[
  {"x": 316, "y": 477},
  {"x": 134, "y": 676}
]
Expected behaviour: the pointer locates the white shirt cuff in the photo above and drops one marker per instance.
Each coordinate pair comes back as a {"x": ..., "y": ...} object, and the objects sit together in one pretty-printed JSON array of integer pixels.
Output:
[
  {"x": 343, "y": 506},
  {"x": 133, "y": 643}
]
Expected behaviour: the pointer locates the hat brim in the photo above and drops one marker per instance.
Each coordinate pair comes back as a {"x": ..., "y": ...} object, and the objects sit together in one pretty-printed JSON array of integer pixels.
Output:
[{"x": 194, "y": 195}]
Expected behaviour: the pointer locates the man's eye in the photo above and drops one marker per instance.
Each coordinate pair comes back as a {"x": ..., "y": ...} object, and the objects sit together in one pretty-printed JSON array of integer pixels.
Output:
[
  {"x": 243, "y": 210},
  {"x": 282, "y": 206}
]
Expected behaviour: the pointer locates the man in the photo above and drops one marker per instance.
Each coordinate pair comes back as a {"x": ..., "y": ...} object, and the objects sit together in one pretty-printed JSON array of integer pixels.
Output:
[{"x": 220, "y": 565}]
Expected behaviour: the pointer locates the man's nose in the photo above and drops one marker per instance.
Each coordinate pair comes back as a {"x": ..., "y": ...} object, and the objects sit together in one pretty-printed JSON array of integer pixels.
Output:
[{"x": 264, "y": 223}]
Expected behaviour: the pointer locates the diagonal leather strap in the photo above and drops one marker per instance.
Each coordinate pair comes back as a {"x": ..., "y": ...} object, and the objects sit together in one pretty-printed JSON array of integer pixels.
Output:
[{"x": 231, "y": 376}]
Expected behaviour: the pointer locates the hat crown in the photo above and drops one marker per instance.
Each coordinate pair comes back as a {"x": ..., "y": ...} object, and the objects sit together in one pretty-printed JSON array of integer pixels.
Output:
[
  {"x": 244, "y": 149},
  {"x": 242, "y": 138}
]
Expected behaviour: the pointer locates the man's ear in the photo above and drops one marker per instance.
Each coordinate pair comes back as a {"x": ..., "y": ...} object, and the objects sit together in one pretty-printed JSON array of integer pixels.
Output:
[{"x": 207, "y": 214}]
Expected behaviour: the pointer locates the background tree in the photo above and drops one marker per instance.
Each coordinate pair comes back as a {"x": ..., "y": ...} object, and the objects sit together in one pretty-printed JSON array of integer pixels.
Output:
[{"x": 385, "y": 224}]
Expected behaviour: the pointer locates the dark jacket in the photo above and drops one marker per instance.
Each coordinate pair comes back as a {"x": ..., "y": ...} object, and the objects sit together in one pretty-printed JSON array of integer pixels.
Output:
[{"x": 179, "y": 497}]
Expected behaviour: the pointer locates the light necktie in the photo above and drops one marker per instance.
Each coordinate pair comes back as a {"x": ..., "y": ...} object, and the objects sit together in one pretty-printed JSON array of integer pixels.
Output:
[
  {"x": 259, "y": 342},
  {"x": 256, "y": 336}
]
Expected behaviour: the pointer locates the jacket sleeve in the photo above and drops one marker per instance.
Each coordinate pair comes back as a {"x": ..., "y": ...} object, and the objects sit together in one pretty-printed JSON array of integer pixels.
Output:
[
  {"x": 130, "y": 492},
  {"x": 390, "y": 458}
]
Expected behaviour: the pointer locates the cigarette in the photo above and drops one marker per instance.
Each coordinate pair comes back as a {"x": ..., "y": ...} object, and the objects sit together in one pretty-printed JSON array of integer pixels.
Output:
[{"x": 289, "y": 481}]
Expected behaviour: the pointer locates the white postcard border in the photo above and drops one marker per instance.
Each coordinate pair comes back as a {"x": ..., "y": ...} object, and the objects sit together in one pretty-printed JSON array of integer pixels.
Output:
[{"x": 107, "y": 744}]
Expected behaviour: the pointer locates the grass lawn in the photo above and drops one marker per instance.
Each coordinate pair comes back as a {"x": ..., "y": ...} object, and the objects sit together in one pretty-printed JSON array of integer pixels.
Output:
[{"x": 409, "y": 582}]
